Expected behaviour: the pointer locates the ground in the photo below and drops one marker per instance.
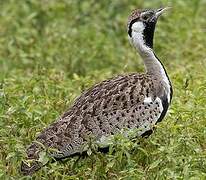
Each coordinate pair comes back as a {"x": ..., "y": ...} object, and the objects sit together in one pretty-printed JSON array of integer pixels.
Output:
[{"x": 50, "y": 51}]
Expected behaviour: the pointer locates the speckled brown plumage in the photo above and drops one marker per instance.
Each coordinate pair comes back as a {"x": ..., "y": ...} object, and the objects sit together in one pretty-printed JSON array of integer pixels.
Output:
[
  {"x": 102, "y": 110},
  {"x": 134, "y": 101}
]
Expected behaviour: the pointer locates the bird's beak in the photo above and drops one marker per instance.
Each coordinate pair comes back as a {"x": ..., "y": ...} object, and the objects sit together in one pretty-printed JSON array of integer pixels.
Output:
[{"x": 160, "y": 11}]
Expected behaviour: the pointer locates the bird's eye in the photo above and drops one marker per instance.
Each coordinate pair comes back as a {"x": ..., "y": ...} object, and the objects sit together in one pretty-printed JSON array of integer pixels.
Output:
[{"x": 145, "y": 17}]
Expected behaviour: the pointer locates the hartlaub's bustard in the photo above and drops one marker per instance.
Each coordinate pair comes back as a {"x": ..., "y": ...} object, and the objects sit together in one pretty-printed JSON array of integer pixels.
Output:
[{"x": 124, "y": 102}]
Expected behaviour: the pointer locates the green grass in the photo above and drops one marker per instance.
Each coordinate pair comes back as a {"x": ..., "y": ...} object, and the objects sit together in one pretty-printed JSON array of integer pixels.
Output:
[{"x": 50, "y": 51}]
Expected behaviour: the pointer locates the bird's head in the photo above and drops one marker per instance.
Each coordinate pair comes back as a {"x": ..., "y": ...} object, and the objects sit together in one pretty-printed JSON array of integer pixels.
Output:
[{"x": 141, "y": 25}]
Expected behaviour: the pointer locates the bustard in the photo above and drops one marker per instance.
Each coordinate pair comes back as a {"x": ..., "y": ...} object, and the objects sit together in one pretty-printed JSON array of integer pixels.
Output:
[{"x": 123, "y": 102}]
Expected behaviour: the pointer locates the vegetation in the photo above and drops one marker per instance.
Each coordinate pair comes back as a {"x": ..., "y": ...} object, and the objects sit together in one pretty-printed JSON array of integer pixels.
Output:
[{"x": 50, "y": 51}]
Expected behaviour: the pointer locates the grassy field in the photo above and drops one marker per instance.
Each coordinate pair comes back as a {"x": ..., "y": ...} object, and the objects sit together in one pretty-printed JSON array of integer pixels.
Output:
[{"x": 50, "y": 51}]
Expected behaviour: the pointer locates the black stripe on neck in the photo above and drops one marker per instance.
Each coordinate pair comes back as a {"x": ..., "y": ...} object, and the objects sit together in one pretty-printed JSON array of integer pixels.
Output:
[
  {"x": 171, "y": 90},
  {"x": 149, "y": 33}
]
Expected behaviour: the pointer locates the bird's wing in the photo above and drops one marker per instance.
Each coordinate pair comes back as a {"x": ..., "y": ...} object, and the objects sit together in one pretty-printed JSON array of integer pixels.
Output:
[{"x": 129, "y": 101}]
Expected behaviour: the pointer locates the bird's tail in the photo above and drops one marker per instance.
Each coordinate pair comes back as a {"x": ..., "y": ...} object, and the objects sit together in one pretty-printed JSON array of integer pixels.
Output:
[{"x": 32, "y": 163}]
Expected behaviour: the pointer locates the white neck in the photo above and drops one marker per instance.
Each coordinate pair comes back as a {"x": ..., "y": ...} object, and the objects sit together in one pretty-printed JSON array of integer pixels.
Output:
[{"x": 151, "y": 62}]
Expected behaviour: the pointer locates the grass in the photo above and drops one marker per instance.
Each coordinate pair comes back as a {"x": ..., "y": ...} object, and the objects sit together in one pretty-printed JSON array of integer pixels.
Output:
[{"x": 50, "y": 51}]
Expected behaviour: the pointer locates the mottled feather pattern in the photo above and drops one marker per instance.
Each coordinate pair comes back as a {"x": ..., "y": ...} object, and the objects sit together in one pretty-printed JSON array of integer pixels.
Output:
[{"x": 103, "y": 110}]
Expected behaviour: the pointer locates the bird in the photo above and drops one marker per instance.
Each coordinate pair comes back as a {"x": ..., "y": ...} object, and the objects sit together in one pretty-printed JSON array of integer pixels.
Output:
[{"x": 124, "y": 102}]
